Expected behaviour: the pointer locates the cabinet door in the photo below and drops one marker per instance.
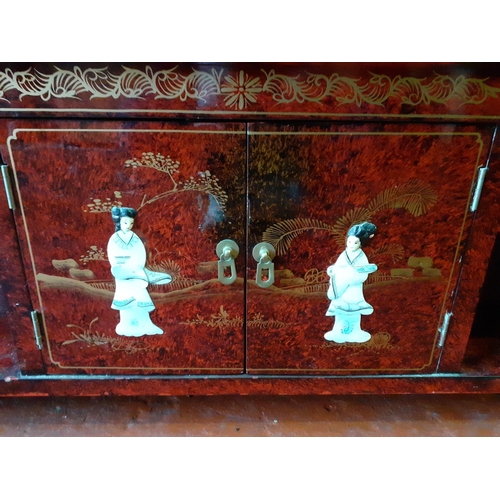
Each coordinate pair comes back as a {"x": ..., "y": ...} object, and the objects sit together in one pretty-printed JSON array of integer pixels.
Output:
[
  {"x": 308, "y": 186},
  {"x": 187, "y": 186}
]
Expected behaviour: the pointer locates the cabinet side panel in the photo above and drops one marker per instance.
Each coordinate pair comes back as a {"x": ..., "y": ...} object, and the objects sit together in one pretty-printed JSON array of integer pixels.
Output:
[
  {"x": 18, "y": 350},
  {"x": 486, "y": 228}
]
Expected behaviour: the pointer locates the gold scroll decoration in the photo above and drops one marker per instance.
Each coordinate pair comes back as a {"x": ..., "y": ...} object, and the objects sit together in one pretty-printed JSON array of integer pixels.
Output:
[{"x": 240, "y": 90}]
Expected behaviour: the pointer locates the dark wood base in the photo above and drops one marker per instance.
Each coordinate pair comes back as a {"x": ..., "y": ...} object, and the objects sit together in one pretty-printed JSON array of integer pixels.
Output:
[{"x": 197, "y": 386}]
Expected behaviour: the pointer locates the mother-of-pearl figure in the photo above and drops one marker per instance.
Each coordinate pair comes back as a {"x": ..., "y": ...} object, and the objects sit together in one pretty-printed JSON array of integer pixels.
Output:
[
  {"x": 127, "y": 256},
  {"x": 347, "y": 276}
]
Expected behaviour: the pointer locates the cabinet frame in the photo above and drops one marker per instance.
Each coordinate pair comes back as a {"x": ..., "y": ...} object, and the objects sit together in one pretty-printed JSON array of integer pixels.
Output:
[{"x": 16, "y": 325}]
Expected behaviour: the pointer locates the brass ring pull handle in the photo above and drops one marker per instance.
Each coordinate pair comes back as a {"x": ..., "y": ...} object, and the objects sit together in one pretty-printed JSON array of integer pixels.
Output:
[
  {"x": 264, "y": 254},
  {"x": 227, "y": 251}
]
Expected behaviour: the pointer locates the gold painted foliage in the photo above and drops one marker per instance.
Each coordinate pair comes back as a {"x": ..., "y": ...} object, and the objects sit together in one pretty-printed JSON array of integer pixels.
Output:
[
  {"x": 393, "y": 250},
  {"x": 204, "y": 183},
  {"x": 239, "y": 89},
  {"x": 93, "y": 253},
  {"x": 281, "y": 235},
  {"x": 100, "y": 83},
  {"x": 167, "y": 266},
  {"x": 99, "y": 205},
  {"x": 222, "y": 320},
  {"x": 378, "y": 89},
  {"x": 414, "y": 196},
  {"x": 96, "y": 339},
  {"x": 158, "y": 162},
  {"x": 207, "y": 183}
]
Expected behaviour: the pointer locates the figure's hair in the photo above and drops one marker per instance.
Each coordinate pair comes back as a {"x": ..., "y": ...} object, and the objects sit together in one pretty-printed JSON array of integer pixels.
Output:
[
  {"x": 363, "y": 231},
  {"x": 118, "y": 212}
]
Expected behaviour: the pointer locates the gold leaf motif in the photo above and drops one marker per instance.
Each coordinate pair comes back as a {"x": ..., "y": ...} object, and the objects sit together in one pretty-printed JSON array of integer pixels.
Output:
[
  {"x": 167, "y": 266},
  {"x": 222, "y": 320},
  {"x": 410, "y": 91},
  {"x": 241, "y": 90},
  {"x": 205, "y": 183},
  {"x": 415, "y": 196},
  {"x": 394, "y": 250},
  {"x": 95, "y": 339},
  {"x": 349, "y": 219},
  {"x": 93, "y": 253},
  {"x": 281, "y": 235}
]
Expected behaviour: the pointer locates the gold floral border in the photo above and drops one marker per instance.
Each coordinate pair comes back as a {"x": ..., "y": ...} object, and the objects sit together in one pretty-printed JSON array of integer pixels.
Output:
[{"x": 240, "y": 90}]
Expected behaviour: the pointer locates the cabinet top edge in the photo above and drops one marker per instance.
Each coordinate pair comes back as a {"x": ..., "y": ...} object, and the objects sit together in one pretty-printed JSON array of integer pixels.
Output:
[{"x": 232, "y": 91}]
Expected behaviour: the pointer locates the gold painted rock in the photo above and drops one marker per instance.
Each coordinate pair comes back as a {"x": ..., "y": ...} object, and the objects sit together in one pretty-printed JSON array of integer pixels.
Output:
[
  {"x": 65, "y": 265},
  {"x": 292, "y": 281},
  {"x": 420, "y": 262},
  {"x": 381, "y": 338},
  {"x": 405, "y": 272},
  {"x": 283, "y": 273},
  {"x": 432, "y": 272},
  {"x": 82, "y": 274}
]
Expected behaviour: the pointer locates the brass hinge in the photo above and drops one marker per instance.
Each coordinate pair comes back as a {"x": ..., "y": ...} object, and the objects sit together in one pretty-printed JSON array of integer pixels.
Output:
[
  {"x": 443, "y": 330},
  {"x": 479, "y": 187},
  {"x": 8, "y": 186},
  {"x": 36, "y": 329}
]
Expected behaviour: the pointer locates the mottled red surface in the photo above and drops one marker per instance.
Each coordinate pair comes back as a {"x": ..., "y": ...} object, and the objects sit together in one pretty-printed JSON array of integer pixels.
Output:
[
  {"x": 247, "y": 385},
  {"x": 15, "y": 306},
  {"x": 480, "y": 246},
  {"x": 311, "y": 175},
  {"x": 62, "y": 172},
  {"x": 321, "y": 177}
]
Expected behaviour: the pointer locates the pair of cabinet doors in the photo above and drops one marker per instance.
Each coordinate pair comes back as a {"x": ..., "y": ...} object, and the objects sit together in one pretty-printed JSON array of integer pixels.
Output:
[{"x": 297, "y": 187}]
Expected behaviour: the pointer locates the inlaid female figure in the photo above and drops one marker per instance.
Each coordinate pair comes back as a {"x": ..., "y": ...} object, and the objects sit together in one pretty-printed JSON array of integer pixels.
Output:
[
  {"x": 347, "y": 276},
  {"x": 127, "y": 256}
]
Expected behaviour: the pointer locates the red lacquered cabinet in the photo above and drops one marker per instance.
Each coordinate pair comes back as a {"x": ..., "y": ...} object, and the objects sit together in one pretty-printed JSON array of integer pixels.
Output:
[{"x": 246, "y": 181}]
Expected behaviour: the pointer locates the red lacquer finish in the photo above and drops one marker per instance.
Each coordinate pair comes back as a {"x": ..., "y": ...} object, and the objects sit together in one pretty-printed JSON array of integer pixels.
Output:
[
  {"x": 289, "y": 154},
  {"x": 479, "y": 251},
  {"x": 177, "y": 178},
  {"x": 17, "y": 347},
  {"x": 414, "y": 182},
  {"x": 251, "y": 385}
]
